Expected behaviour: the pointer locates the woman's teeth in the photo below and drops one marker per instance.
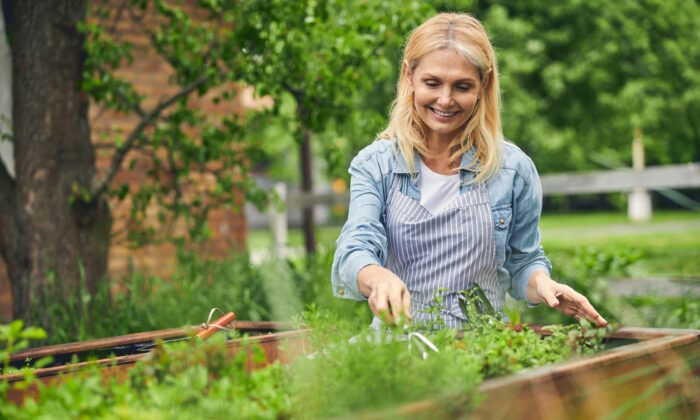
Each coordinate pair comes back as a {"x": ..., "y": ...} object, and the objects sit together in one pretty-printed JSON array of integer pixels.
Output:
[{"x": 442, "y": 113}]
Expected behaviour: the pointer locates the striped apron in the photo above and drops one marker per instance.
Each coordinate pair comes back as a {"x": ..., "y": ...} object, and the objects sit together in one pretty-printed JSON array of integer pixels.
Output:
[{"x": 442, "y": 254}]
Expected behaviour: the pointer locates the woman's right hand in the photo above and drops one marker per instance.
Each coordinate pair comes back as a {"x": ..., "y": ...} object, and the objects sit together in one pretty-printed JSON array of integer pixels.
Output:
[{"x": 387, "y": 295}]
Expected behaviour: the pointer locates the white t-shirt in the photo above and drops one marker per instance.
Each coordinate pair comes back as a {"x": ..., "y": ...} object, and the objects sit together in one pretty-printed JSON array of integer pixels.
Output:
[{"x": 436, "y": 190}]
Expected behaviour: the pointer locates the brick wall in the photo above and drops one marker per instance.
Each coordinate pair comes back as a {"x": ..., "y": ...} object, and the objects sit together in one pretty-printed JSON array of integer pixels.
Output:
[{"x": 150, "y": 76}]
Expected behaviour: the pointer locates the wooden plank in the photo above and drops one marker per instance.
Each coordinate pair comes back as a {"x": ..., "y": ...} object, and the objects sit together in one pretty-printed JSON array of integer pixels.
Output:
[
  {"x": 633, "y": 380},
  {"x": 83, "y": 346},
  {"x": 622, "y": 180},
  {"x": 269, "y": 342},
  {"x": 281, "y": 346}
]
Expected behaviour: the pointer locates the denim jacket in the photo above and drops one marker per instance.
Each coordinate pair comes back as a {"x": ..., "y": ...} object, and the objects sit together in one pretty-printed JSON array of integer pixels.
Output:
[{"x": 516, "y": 202}]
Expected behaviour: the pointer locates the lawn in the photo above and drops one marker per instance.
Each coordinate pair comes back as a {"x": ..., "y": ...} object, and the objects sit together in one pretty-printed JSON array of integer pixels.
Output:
[{"x": 668, "y": 246}]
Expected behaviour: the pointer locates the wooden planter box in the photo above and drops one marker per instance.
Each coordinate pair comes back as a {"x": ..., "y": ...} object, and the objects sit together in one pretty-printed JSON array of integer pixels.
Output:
[
  {"x": 646, "y": 371},
  {"x": 279, "y": 341}
]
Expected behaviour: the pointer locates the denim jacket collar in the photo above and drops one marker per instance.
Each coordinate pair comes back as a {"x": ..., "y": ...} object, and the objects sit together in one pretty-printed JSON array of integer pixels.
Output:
[{"x": 400, "y": 166}]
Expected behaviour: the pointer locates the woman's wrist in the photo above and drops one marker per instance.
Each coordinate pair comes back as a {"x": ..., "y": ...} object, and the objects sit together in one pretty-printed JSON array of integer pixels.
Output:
[
  {"x": 367, "y": 278},
  {"x": 536, "y": 280}
]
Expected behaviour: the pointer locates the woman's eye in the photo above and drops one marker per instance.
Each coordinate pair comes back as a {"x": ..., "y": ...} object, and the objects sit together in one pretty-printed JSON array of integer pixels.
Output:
[
  {"x": 432, "y": 83},
  {"x": 464, "y": 87}
]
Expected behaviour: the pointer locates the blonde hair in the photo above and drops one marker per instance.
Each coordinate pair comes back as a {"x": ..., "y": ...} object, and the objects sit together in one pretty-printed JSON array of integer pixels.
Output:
[{"x": 465, "y": 35}]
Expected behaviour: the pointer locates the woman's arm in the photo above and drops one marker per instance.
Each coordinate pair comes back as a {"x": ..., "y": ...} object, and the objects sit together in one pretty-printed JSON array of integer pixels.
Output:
[
  {"x": 529, "y": 267},
  {"x": 358, "y": 271},
  {"x": 362, "y": 240},
  {"x": 524, "y": 255}
]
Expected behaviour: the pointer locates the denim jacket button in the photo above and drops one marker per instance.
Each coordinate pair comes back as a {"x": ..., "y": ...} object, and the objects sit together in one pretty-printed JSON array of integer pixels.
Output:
[
  {"x": 501, "y": 221},
  {"x": 341, "y": 291}
]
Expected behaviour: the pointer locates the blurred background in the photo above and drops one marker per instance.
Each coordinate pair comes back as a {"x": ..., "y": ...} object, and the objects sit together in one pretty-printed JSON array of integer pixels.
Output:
[{"x": 160, "y": 158}]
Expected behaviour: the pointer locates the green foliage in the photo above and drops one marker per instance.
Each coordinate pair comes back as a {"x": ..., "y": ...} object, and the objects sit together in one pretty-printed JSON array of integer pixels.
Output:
[
  {"x": 273, "y": 291},
  {"x": 14, "y": 338},
  {"x": 592, "y": 267},
  {"x": 311, "y": 278},
  {"x": 580, "y": 77},
  {"x": 668, "y": 312},
  {"x": 193, "y": 161},
  {"x": 312, "y": 58},
  {"x": 177, "y": 376},
  {"x": 375, "y": 371},
  {"x": 352, "y": 370},
  {"x": 5, "y": 128},
  {"x": 185, "y": 380},
  {"x": 330, "y": 66},
  {"x": 142, "y": 303}
]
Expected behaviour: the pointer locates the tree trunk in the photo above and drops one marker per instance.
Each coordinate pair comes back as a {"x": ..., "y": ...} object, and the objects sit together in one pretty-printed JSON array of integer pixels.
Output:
[
  {"x": 308, "y": 224},
  {"x": 54, "y": 243}
]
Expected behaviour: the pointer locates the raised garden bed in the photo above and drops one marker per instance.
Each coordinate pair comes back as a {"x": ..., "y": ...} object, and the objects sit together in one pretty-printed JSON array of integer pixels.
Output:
[
  {"x": 116, "y": 355},
  {"x": 655, "y": 373},
  {"x": 643, "y": 372}
]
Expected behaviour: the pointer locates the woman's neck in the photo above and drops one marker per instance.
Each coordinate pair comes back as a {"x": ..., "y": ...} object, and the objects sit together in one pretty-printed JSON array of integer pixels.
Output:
[{"x": 439, "y": 159}]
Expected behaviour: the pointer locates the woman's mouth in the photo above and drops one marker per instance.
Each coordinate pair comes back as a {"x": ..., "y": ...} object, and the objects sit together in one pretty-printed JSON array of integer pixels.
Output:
[{"x": 442, "y": 114}]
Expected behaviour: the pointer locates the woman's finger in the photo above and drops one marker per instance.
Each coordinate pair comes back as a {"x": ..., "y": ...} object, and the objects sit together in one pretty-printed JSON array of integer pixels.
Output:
[
  {"x": 396, "y": 304},
  {"x": 584, "y": 309},
  {"x": 407, "y": 305},
  {"x": 547, "y": 295},
  {"x": 379, "y": 305}
]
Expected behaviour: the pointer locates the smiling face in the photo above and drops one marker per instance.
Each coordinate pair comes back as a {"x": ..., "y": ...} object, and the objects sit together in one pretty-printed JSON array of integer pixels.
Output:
[{"x": 446, "y": 88}]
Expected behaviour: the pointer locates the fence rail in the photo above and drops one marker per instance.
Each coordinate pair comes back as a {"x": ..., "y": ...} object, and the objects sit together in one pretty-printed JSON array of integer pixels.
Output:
[
  {"x": 618, "y": 180},
  {"x": 623, "y": 180}
]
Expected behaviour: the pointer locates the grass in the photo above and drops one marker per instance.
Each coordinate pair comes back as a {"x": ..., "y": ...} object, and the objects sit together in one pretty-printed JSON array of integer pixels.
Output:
[
  {"x": 668, "y": 246},
  {"x": 571, "y": 220}
]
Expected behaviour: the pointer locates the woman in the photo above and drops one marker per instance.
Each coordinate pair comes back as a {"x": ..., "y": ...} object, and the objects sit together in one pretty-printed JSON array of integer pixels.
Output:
[{"x": 441, "y": 202}]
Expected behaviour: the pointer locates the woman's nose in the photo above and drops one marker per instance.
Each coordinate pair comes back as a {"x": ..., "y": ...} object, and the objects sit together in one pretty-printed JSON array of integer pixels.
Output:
[{"x": 445, "y": 99}]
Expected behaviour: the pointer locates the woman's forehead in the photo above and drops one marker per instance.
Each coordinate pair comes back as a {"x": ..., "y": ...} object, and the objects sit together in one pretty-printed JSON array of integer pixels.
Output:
[{"x": 447, "y": 62}]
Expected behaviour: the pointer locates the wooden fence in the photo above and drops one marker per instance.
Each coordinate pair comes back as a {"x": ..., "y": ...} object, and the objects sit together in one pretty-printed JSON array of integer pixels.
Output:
[{"x": 618, "y": 180}]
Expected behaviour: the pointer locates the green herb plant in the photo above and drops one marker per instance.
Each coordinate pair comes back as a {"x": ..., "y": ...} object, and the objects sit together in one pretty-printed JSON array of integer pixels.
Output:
[
  {"x": 14, "y": 337},
  {"x": 351, "y": 370}
]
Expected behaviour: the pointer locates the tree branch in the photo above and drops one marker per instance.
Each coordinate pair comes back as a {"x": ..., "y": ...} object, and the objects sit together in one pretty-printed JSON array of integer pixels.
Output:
[
  {"x": 299, "y": 95},
  {"x": 136, "y": 107},
  {"x": 175, "y": 182},
  {"x": 99, "y": 187}
]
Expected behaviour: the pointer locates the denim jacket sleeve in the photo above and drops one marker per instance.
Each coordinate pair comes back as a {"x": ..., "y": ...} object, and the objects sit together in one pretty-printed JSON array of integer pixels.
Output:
[
  {"x": 362, "y": 240},
  {"x": 525, "y": 253}
]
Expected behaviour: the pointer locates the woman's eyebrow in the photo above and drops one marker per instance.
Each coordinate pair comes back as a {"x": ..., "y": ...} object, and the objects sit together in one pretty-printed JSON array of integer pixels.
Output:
[{"x": 464, "y": 80}]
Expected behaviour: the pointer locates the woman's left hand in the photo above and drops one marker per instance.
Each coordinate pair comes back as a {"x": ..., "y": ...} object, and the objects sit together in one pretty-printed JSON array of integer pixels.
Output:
[{"x": 542, "y": 289}]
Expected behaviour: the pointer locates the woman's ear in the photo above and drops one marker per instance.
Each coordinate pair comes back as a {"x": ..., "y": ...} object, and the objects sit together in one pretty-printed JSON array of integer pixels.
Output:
[{"x": 407, "y": 73}]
